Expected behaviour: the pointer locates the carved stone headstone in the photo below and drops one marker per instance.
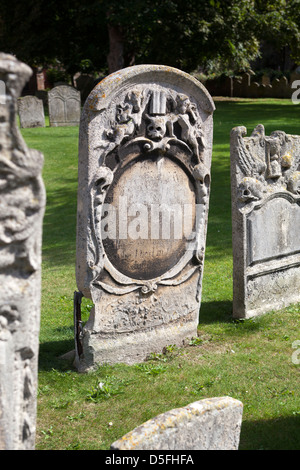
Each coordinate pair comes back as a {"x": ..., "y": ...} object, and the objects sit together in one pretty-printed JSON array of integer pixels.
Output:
[
  {"x": 144, "y": 179},
  {"x": 21, "y": 213},
  {"x": 265, "y": 177},
  {"x": 209, "y": 424},
  {"x": 64, "y": 106},
  {"x": 31, "y": 112}
]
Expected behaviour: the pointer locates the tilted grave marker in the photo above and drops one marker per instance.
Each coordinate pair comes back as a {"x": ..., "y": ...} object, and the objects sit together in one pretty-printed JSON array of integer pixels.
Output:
[
  {"x": 144, "y": 178},
  {"x": 64, "y": 106},
  {"x": 22, "y": 199},
  {"x": 209, "y": 424},
  {"x": 265, "y": 177}
]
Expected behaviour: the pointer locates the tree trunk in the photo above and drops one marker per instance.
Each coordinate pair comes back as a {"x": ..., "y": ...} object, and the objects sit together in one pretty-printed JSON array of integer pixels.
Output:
[{"x": 115, "y": 57}]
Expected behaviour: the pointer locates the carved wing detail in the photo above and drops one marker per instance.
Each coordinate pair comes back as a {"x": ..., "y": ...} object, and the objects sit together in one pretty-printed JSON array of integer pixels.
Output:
[{"x": 246, "y": 161}]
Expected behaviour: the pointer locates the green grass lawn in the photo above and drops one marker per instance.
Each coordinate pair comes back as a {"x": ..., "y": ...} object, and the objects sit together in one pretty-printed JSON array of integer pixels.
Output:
[{"x": 248, "y": 360}]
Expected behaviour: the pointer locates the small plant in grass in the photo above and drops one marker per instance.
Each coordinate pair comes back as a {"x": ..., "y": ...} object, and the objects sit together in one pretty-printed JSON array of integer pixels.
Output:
[
  {"x": 168, "y": 353},
  {"x": 47, "y": 433},
  {"x": 157, "y": 357},
  {"x": 60, "y": 404},
  {"x": 151, "y": 369},
  {"x": 195, "y": 341},
  {"x": 80, "y": 415},
  {"x": 105, "y": 389}
]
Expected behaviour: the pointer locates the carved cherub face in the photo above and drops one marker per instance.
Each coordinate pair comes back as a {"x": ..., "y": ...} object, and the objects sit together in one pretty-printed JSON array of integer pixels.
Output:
[
  {"x": 183, "y": 104},
  {"x": 156, "y": 129},
  {"x": 123, "y": 113}
]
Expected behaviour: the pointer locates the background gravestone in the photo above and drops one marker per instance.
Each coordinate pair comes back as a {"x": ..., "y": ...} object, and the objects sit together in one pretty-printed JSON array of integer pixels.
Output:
[
  {"x": 22, "y": 198},
  {"x": 265, "y": 178},
  {"x": 144, "y": 179},
  {"x": 31, "y": 112},
  {"x": 64, "y": 106}
]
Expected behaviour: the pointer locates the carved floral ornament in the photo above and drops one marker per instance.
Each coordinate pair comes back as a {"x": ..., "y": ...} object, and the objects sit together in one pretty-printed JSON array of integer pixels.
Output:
[
  {"x": 148, "y": 122},
  {"x": 267, "y": 165}
]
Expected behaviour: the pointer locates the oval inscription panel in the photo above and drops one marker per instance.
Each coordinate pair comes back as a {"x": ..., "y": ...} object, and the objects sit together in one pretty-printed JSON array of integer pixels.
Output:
[{"x": 151, "y": 206}]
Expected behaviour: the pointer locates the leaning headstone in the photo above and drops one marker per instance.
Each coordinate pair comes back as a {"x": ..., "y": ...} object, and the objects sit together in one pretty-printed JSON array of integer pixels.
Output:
[
  {"x": 209, "y": 424},
  {"x": 22, "y": 198},
  {"x": 31, "y": 112},
  {"x": 64, "y": 106},
  {"x": 265, "y": 178},
  {"x": 144, "y": 179}
]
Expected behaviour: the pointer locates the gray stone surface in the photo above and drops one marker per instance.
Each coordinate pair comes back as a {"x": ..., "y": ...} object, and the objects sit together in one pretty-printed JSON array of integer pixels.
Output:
[
  {"x": 22, "y": 198},
  {"x": 143, "y": 192},
  {"x": 64, "y": 106},
  {"x": 210, "y": 424},
  {"x": 31, "y": 112},
  {"x": 265, "y": 178}
]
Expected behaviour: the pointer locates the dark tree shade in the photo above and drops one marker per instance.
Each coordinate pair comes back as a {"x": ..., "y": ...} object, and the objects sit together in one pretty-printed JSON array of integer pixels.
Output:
[{"x": 109, "y": 34}]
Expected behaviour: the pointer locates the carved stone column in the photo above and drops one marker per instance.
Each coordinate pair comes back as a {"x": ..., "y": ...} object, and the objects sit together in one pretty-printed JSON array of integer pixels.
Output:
[
  {"x": 144, "y": 179},
  {"x": 22, "y": 201}
]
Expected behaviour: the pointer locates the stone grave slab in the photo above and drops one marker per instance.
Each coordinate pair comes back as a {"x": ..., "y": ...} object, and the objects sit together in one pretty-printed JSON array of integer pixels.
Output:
[
  {"x": 64, "y": 106},
  {"x": 209, "y": 424},
  {"x": 265, "y": 179},
  {"x": 31, "y": 112},
  {"x": 145, "y": 146}
]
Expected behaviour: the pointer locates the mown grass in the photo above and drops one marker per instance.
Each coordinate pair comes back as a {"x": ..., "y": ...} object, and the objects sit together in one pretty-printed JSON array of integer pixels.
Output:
[{"x": 249, "y": 360}]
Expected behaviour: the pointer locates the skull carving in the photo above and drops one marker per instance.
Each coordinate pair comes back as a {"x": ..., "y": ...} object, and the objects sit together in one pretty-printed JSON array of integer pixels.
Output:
[
  {"x": 250, "y": 189},
  {"x": 156, "y": 129}
]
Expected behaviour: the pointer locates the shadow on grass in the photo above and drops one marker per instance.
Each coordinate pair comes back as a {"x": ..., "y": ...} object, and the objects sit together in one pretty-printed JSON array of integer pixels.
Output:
[
  {"x": 216, "y": 312},
  {"x": 272, "y": 434},
  {"x": 50, "y": 355}
]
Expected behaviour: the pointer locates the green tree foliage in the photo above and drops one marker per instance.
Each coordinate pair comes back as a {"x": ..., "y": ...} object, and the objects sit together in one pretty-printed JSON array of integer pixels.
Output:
[
  {"x": 46, "y": 31},
  {"x": 279, "y": 22},
  {"x": 210, "y": 34}
]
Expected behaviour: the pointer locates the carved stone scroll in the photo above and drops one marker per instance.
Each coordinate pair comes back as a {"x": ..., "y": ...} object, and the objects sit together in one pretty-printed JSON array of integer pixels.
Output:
[
  {"x": 21, "y": 213},
  {"x": 265, "y": 178},
  {"x": 144, "y": 179}
]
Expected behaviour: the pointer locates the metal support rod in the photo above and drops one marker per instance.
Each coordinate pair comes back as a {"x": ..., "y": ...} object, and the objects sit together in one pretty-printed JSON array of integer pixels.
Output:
[{"x": 78, "y": 322}]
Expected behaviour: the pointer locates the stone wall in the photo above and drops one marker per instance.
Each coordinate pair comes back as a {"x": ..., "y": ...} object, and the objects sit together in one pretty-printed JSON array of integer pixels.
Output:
[{"x": 246, "y": 87}]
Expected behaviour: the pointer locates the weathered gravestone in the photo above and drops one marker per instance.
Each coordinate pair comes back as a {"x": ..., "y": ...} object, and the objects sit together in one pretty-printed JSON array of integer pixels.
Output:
[
  {"x": 64, "y": 106},
  {"x": 265, "y": 178},
  {"x": 22, "y": 199},
  {"x": 209, "y": 424},
  {"x": 144, "y": 179},
  {"x": 31, "y": 112}
]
